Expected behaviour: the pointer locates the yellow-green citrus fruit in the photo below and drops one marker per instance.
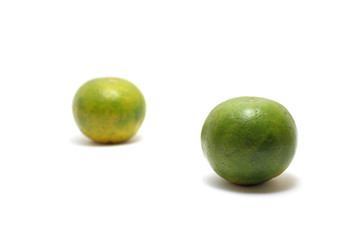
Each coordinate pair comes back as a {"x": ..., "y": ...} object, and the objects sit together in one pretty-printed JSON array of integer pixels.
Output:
[
  {"x": 249, "y": 140},
  {"x": 109, "y": 110}
]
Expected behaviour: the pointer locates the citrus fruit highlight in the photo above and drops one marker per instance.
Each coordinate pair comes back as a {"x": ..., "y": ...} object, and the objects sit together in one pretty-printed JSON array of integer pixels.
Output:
[
  {"x": 109, "y": 110},
  {"x": 249, "y": 140}
]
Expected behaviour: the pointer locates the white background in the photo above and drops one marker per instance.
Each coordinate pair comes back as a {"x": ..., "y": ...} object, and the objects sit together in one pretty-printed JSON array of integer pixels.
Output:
[{"x": 186, "y": 57}]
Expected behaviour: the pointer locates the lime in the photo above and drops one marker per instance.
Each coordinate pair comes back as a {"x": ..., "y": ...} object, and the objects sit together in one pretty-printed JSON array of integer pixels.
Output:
[
  {"x": 109, "y": 110},
  {"x": 249, "y": 140}
]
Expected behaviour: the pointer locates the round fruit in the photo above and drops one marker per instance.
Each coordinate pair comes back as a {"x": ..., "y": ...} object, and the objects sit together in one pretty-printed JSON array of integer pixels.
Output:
[
  {"x": 109, "y": 110},
  {"x": 249, "y": 140}
]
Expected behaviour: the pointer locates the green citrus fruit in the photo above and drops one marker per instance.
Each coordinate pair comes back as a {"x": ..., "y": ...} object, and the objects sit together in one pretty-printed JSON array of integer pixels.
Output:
[
  {"x": 249, "y": 140},
  {"x": 109, "y": 110}
]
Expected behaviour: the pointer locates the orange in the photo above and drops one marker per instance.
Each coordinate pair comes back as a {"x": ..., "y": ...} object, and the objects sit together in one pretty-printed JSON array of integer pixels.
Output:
[
  {"x": 109, "y": 110},
  {"x": 249, "y": 140}
]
